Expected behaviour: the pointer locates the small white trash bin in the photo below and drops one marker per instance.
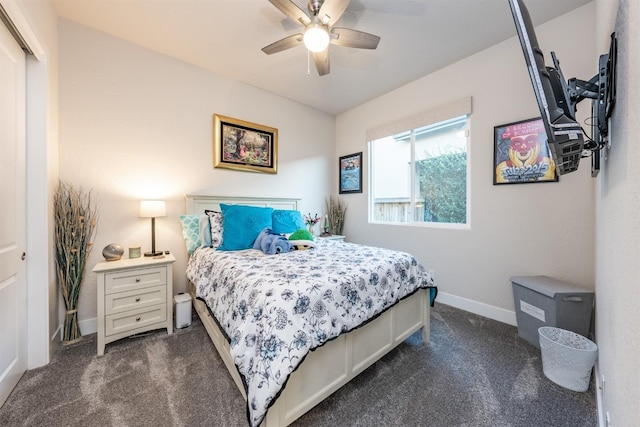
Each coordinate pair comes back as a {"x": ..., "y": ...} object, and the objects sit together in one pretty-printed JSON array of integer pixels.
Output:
[
  {"x": 183, "y": 310},
  {"x": 567, "y": 358}
]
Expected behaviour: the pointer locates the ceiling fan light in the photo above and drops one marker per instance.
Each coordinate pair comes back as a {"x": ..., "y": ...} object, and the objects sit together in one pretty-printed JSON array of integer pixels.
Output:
[{"x": 316, "y": 38}]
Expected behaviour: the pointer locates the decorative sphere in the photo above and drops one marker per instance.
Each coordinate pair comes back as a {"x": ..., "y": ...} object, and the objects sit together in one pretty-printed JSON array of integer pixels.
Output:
[{"x": 112, "y": 252}]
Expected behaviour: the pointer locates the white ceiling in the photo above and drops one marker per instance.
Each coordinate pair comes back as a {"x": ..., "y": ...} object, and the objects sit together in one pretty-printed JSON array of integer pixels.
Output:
[{"x": 418, "y": 37}]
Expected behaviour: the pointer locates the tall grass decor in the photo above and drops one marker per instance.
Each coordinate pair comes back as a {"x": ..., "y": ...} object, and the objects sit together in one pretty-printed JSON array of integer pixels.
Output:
[
  {"x": 336, "y": 210},
  {"x": 75, "y": 222}
]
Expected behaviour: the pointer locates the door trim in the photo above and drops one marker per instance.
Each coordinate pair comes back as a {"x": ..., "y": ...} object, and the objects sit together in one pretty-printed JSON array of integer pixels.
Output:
[
  {"x": 21, "y": 29},
  {"x": 42, "y": 292}
]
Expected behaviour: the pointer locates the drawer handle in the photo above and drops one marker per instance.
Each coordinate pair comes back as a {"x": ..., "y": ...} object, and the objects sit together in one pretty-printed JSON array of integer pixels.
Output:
[
  {"x": 138, "y": 299},
  {"x": 137, "y": 280},
  {"x": 138, "y": 319}
]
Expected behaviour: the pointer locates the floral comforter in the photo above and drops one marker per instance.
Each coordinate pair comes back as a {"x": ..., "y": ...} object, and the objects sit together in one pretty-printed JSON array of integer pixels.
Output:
[{"x": 274, "y": 309}]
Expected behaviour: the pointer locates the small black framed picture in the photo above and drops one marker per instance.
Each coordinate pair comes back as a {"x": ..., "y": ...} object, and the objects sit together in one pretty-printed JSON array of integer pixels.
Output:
[{"x": 350, "y": 169}]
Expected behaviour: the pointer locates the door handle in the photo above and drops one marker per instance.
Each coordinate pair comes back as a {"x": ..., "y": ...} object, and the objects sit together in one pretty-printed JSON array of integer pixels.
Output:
[{"x": 24, "y": 256}]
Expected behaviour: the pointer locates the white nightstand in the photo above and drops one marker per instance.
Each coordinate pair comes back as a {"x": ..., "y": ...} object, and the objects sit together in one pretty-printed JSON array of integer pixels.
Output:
[
  {"x": 134, "y": 295},
  {"x": 336, "y": 237}
]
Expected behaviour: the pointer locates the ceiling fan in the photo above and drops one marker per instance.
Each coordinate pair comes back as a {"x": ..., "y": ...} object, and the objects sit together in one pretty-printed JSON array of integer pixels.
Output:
[{"x": 318, "y": 31}]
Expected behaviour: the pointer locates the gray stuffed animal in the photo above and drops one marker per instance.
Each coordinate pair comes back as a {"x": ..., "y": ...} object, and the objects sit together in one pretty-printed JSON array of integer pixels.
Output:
[{"x": 271, "y": 243}]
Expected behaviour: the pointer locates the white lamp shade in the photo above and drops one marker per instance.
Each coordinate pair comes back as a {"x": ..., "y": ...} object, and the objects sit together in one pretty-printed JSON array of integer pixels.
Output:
[
  {"x": 152, "y": 208},
  {"x": 316, "y": 38}
]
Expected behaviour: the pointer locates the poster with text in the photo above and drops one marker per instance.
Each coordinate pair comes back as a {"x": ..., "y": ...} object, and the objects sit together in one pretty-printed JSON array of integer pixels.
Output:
[{"x": 521, "y": 154}]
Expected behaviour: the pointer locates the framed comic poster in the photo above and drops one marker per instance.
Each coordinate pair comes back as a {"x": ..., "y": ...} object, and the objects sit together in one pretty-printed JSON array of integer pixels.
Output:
[
  {"x": 244, "y": 146},
  {"x": 521, "y": 153},
  {"x": 350, "y": 168}
]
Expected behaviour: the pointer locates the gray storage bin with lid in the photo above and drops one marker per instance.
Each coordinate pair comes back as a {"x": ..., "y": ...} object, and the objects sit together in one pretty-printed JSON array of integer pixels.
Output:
[{"x": 544, "y": 301}]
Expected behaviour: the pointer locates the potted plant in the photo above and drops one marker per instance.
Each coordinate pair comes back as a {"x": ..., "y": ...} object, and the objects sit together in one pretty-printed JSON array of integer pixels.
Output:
[{"x": 336, "y": 210}]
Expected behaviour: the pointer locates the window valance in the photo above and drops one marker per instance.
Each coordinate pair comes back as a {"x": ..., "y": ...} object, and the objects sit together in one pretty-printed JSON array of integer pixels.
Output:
[{"x": 457, "y": 108}]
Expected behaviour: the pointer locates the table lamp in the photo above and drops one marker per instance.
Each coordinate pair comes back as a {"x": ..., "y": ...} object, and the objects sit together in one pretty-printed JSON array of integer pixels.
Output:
[{"x": 153, "y": 209}]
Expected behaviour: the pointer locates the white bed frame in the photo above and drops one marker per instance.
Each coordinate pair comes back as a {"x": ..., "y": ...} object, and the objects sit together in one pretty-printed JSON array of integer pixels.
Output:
[{"x": 333, "y": 365}]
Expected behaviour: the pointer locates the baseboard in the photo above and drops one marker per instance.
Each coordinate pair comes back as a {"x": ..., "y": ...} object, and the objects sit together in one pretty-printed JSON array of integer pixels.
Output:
[
  {"x": 56, "y": 342},
  {"x": 88, "y": 326},
  {"x": 495, "y": 313},
  {"x": 602, "y": 422}
]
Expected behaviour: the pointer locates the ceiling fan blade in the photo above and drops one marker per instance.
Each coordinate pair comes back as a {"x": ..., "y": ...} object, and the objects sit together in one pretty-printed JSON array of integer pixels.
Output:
[
  {"x": 354, "y": 38},
  {"x": 332, "y": 10},
  {"x": 283, "y": 44},
  {"x": 321, "y": 59},
  {"x": 292, "y": 11}
]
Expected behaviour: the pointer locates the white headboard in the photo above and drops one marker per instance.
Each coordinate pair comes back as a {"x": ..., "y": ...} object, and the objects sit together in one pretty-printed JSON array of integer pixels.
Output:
[{"x": 198, "y": 204}]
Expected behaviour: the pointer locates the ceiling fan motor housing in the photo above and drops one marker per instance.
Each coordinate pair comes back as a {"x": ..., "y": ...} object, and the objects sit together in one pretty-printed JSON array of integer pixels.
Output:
[{"x": 314, "y": 6}]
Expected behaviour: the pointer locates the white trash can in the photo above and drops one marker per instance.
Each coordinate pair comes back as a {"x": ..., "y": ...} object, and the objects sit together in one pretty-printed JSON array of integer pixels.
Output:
[
  {"x": 183, "y": 310},
  {"x": 567, "y": 358}
]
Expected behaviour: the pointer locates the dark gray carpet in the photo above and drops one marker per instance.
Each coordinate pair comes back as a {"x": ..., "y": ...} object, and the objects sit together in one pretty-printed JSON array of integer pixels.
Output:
[{"x": 475, "y": 372}]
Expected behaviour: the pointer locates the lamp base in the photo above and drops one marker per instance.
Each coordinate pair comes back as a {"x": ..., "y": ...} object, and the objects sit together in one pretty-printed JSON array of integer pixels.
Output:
[{"x": 153, "y": 253}]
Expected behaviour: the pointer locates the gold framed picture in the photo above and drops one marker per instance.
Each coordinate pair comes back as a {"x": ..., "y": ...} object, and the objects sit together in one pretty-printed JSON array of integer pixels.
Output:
[{"x": 244, "y": 146}]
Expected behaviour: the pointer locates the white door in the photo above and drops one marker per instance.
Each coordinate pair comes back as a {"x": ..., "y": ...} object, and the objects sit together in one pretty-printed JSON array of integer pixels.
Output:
[{"x": 13, "y": 284}]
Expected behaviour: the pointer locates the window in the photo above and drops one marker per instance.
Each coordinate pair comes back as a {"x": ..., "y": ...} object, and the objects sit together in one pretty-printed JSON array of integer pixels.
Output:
[{"x": 420, "y": 175}]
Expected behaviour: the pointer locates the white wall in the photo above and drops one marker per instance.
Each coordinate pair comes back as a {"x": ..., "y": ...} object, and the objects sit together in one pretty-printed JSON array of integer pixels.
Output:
[
  {"x": 524, "y": 229},
  {"x": 618, "y": 234},
  {"x": 136, "y": 125}
]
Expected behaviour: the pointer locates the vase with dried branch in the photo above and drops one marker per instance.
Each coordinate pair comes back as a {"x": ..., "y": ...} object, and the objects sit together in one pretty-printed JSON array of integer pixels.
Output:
[
  {"x": 76, "y": 217},
  {"x": 336, "y": 210}
]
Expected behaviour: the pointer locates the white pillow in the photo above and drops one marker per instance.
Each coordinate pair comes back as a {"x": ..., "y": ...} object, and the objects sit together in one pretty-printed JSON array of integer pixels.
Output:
[{"x": 215, "y": 228}]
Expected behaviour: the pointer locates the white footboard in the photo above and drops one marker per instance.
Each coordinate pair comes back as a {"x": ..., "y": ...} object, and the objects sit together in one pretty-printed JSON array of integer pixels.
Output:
[{"x": 336, "y": 363}]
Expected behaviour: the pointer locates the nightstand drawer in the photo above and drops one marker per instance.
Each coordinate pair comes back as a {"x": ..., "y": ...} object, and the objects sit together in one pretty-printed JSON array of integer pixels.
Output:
[
  {"x": 133, "y": 300},
  {"x": 134, "y": 279},
  {"x": 117, "y": 323}
]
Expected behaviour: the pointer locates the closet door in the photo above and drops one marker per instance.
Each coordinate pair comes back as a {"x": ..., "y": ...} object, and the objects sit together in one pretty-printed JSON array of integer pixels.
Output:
[{"x": 13, "y": 300}]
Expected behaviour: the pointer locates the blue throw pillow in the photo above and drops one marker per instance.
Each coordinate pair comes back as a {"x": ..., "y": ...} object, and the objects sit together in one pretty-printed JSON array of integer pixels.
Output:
[
  {"x": 191, "y": 231},
  {"x": 241, "y": 225},
  {"x": 286, "y": 221}
]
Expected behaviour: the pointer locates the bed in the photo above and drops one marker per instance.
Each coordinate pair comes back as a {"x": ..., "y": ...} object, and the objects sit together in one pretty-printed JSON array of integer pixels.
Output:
[{"x": 347, "y": 328}]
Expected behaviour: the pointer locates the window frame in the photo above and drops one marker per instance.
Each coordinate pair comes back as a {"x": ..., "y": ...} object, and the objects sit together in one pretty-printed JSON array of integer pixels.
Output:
[{"x": 412, "y": 205}]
